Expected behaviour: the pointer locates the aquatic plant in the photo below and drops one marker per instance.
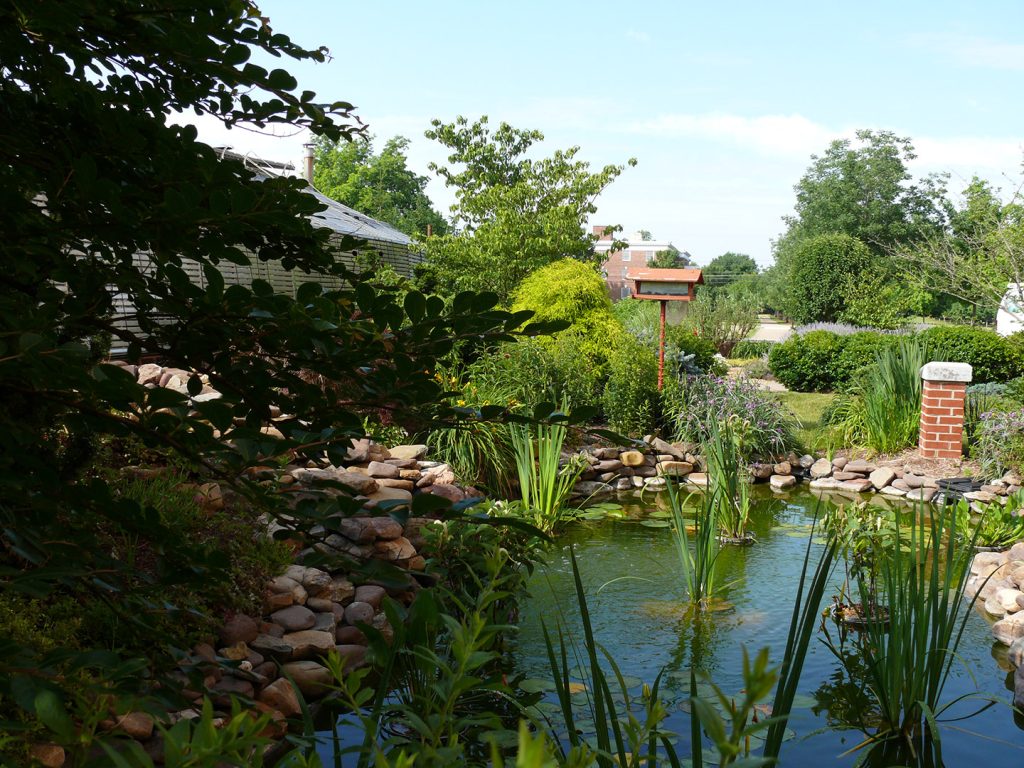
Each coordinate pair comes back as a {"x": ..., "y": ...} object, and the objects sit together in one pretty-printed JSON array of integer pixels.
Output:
[
  {"x": 994, "y": 525},
  {"x": 727, "y": 476},
  {"x": 545, "y": 486},
  {"x": 892, "y": 396},
  {"x": 909, "y": 655},
  {"x": 698, "y": 566}
]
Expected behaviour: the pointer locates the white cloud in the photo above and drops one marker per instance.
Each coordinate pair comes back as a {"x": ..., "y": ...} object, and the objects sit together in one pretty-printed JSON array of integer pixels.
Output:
[{"x": 637, "y": 36}]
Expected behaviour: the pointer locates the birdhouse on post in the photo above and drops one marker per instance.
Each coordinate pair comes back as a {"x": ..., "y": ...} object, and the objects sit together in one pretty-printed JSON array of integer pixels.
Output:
[{"x": 663, "y": 286}]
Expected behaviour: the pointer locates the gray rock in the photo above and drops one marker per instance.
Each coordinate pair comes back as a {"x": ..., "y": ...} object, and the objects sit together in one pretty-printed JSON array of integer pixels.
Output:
[
  {"x": 1009, "y": 629},
  {"x": 383, "y": 469},
  {"x": 1018, "y": 688},
  {"x": 821, "y": 468},
  {"x": 390, "y": 495},
  {"x": 294, "y": 618},
  {"x": 892, "y": 490},
  {"x": 271, "y": 647},
  {"x": 624, "y": 484},
  {"x": 655, "y": 483},
  {"x": 781, "y": 482},
  {"x": 358, "y": 613},
  {"x": 416, "y": 452},
  {"x": 371, "y": 594},
  {"x": 920, "y": 494},
  {"x": 806, "y": 461},
  {"x": 900, "y": 484},
  {"x": 675, "y": 468},
  {"x": 912, "y": 481},
  {"x": 238, "y": 629},
  {"x": 316, "y": 582},
  {"x": 699, "y": 479},
  {"x": 761, "y": 471},
  {"x": 842, "y": 475},
  {"x": 310, "y": 677},
  {"x": 860, "y": 465},
  {"x": 608, "y": 465},
  {"x": 353, "y": 656},
  {"x": 282, "y": 585},
  {"x": 319, "y": 604},
  {"x": 982, "y": 496},
  {"x": 840, "y": 462},
  {"x": 824, "y": 484},
  {"x": 1016, "y": 654},
  {"x": 591, "y": 488},
  {"x": 661, "y": 446},
  {"x": 782, "y": 468},
  {"x": 861, "y": 485},
  {"x": 882, "y": 477},
  {"x": 355, "y": 482},
  {"x": 325, "y": 622},
  {"x": 309, "y": 643}
]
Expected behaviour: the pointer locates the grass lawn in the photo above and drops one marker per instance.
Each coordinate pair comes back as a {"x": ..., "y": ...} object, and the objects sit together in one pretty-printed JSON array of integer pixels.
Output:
[{"x": 808, "y": 406}]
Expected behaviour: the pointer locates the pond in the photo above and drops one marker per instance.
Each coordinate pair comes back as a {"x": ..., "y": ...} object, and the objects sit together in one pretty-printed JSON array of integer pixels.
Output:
[{"x": 634, "y": 584}]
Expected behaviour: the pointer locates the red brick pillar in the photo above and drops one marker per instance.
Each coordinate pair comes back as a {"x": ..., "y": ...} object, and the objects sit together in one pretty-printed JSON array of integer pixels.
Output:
[{"x": 942, "y": 409}]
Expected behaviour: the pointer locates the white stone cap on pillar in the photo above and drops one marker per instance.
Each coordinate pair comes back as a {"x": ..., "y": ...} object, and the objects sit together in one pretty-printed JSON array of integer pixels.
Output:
[{"x": 958, "y": 372}]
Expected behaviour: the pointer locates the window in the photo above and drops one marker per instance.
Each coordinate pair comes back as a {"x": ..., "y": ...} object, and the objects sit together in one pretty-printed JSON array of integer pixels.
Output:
[
  {"x": 625, "y": 293},
  {"x": 626, "y": 255}
]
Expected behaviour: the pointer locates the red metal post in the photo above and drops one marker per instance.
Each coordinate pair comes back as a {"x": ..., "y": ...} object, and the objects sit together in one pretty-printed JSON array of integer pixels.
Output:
[{"x": 661, "y": 347}]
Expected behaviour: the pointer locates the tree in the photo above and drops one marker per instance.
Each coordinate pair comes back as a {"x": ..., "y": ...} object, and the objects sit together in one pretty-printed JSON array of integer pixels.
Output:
[
  {"x": 863, "y": 189},
  {"x": 512, "y": 213},
  {"x": 979, "y": 255},
  {"x": 727, "y": 267},
  {"x": 92, "y": 174},
  {"x": 646, "y": 236},
  {"x": 379, "y": 185},
  {"x": 669, "y": 258},
  {"x": 819, "y": 273}
]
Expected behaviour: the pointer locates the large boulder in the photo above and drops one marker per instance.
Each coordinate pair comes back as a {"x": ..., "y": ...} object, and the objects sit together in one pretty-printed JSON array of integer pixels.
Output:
[
  {"x": 821, "y": 468},
  {"x": 882, "y": 477},
  {"x": 310, "y": 677},
  {"x": 416, "y": 452},
  {"x": 1009, "y": 629},
  {"x": 781, "y": 482},
  {"x": 294, "y": 618}
]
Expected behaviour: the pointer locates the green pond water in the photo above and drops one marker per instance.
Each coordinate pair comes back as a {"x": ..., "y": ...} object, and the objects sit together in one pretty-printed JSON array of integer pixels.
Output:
[{"x": 633, "y": 583}]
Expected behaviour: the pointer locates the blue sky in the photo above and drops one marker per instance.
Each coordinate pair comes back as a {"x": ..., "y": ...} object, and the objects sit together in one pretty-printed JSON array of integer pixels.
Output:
[{"x": 721, "y": 104}]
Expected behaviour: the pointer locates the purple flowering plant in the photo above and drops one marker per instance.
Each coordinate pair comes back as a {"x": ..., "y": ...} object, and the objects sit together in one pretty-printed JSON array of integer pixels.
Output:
[
  {"x": 695, "y": 403},
  {"x": 1000, "y": 441}
]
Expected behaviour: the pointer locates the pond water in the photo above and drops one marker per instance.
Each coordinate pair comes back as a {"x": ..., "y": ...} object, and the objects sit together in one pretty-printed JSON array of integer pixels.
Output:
[{"x": 634, "y": 585}]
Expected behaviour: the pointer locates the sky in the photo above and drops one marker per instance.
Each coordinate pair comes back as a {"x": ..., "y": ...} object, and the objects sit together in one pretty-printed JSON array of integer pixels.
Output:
[{"x": 722, "y": 104}]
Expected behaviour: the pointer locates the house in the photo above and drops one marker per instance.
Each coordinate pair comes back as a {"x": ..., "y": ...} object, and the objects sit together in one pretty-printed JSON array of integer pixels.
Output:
[
  {"x": 390, "y": 244},
  {"x": 637, "y": 254}
]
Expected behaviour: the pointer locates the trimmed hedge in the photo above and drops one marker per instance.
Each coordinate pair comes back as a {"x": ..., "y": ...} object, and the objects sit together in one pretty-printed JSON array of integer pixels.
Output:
[
  {"x": 992, "y": 357},
  {"x": 805, "y": 363},
  {"x": 821, "y": 361}
]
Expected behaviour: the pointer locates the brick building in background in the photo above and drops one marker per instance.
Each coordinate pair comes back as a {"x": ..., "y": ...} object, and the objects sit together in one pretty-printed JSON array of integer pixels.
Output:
[{"x": 636, "y": 256}]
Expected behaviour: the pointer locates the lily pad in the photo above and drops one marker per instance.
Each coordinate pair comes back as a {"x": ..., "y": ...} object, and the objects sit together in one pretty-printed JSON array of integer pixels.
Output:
[
  {"x": 536, "y": 685},
  {"x": 656, "y": 523}
]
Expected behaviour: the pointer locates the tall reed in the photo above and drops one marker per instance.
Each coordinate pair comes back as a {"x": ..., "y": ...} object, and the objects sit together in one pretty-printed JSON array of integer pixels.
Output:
[
  {"x": 892, "y": 396},
  {"x": 699, "y": 565},
  {"x": 909, "y": 653},
  {"x": 727, "y": 480},
  {"x": 544, "y": 485}
]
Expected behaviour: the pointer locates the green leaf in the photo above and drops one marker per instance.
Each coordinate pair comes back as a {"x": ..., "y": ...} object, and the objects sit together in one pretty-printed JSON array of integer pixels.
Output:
[{"x": 50, "y": 711}]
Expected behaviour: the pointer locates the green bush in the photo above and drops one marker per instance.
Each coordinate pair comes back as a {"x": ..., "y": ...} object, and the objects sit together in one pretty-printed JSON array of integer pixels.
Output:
[
  {"x": 859, "y": 351},
  {"x": 574, "y": 292},
  {"x": 748, "y": 348},
  {"x": 991, "y": 356},
  {"x": 631, "y": 394},
  {"x": 680, "y": 341},
  {"x": 805, "y": 363}
]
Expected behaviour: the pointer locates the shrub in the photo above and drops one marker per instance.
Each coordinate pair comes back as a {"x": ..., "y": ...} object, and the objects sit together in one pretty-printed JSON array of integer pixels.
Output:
[
  {"x": 520, "y": 373},
  {"x": 859, "y": 351},
  {"x": 631, "y": 394},
  {"x": 696, "y": 402},
  {"x": 724, "y": 319},
  {"x": 991, "y": 356},
  {"x": 892, "y": 396},
  {"x": 1001, "y": 441},
  {"x": 749, "y": 348},
  {"x": 805, "y": 363},
  {"x": 682, "y": 342},
  {"x": 574, "y": 292},
  {"x": 819, "y": 271},
  {"x": 640, "y": 319}
]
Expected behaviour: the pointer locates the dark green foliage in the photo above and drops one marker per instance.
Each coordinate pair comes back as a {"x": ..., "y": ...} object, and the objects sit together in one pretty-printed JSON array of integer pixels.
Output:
[
  {"x": 90, "y": 175},
  {"x": 681, "y": 341},
  {"x": 991, "y": 356},
  {"x": 631, "y": 393},
  {"x": 804, "y": 363},
  {"x": 820, "y": 268},
  {"x": 859, "y": 350}
]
